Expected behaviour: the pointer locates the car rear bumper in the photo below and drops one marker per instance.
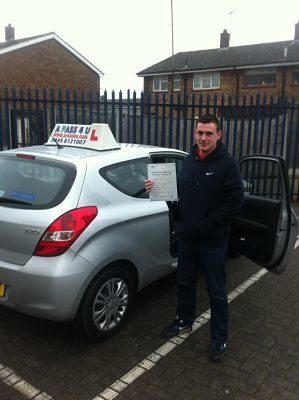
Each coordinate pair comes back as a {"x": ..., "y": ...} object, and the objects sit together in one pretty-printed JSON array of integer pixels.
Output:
[{"x": 46, "y": 287}]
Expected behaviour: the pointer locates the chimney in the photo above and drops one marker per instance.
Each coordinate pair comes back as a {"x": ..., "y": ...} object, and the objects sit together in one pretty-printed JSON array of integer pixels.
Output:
[
  {"x": 296, "y": 31},
  {"x": 224, "y": 39},
  {"x": 9, "y": 33}
]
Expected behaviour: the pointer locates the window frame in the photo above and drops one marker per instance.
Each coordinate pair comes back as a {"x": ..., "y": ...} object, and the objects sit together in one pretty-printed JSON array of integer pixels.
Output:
[
  {"x": 260, "y": 72},
  {"x": 206, "y": 76},
  {"x": 162, "y": 79},
  {"x": 177, "y": 79}
]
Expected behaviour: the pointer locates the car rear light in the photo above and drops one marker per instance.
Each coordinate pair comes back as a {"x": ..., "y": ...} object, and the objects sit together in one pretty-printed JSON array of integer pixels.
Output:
[{"x": 63, "y": 232}]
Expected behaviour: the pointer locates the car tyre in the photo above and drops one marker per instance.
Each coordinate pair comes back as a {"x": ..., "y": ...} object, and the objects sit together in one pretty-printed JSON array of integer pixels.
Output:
[{"x": 106, "y": 304}]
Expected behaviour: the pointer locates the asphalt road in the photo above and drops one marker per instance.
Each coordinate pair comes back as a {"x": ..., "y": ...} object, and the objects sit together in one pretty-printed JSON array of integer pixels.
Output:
[{"x": 42, "y": 360}]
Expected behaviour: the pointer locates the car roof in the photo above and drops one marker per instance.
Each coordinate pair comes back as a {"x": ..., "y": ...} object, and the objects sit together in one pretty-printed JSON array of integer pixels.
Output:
[{"x": 71, "y": 154}]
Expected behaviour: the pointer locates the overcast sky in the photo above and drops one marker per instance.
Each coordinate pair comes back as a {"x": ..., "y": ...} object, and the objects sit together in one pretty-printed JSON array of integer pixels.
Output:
[{"x": 122, "y": 37}]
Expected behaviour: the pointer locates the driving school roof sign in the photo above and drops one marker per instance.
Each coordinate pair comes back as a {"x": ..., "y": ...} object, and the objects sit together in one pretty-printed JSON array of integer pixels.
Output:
[{"x": 95, "y": 136}]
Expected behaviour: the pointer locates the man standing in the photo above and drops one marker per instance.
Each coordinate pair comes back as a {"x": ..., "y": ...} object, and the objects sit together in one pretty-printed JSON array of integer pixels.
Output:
[{"x": 210, "y": 194}]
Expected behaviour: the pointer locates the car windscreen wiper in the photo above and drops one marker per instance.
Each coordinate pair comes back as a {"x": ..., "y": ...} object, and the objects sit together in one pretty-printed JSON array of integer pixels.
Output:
[{"x": 8, "y": 200}]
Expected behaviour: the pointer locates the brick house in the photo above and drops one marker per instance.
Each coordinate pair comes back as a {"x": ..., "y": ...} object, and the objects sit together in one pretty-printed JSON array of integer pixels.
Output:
[
  {"x": 267, "y": 68},
  {"x": 249, "y": 87},
  {"x": 45, "y": 61},
  {"x": 40, "y": 69}
]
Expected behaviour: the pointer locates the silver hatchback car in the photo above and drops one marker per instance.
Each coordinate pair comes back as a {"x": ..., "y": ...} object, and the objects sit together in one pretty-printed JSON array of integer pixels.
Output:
[{"x": 79, "y": 235}]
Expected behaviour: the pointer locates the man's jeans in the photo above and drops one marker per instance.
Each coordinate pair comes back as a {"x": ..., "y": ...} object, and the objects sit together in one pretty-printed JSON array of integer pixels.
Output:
[{"x": 209, "y": 257}]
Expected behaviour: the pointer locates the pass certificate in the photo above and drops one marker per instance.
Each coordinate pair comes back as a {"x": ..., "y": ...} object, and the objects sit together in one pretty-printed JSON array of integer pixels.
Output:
[{"x": 165, "y": 183}]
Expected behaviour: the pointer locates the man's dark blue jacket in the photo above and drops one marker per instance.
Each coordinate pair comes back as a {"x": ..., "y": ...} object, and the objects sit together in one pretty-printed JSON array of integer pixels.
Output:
[{"x": 210, "y": 194}]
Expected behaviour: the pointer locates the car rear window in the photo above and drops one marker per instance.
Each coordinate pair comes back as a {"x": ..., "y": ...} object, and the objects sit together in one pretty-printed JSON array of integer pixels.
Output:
[{"x": 32, "y": 183}]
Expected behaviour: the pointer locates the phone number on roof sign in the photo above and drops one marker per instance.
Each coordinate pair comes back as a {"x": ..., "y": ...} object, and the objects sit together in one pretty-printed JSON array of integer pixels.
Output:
[{"x": 68, "y": 141}]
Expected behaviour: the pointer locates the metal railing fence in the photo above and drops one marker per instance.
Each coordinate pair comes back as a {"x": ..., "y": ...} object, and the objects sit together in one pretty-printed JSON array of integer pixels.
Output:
[{"x": 253, "y": 124}]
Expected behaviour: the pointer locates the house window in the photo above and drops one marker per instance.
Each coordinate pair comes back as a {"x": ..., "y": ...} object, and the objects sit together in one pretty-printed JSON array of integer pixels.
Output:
[
  {"x": 258, "y": 77},
  {"x": 296, "y": 77},
  {"x": 160, "y": 84},
  {"x": 206, "y": 80},
  {"x": 177, "y": 83}
]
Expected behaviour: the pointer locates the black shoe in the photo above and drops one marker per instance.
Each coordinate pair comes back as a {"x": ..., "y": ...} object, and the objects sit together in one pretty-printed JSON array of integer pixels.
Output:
[
  {"x": 177, "y": 326},
  {"x": 217, "y": 351}
]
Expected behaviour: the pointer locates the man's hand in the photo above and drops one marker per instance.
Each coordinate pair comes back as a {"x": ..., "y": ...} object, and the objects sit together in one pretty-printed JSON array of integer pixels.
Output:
[{"x": 148, "y": 184}]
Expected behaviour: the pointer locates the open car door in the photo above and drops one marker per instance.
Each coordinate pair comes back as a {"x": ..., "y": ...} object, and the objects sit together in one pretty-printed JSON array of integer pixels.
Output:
[{"x": 265, "y": 230}]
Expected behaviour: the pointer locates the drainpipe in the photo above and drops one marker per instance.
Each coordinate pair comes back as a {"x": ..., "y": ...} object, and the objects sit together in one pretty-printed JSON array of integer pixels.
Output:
[
  {"x": 237, "y": 81},
  {"x": 185, "y": 83},
  {"x": 172, "y": 47},
  {"x": 283, "y": 84}
]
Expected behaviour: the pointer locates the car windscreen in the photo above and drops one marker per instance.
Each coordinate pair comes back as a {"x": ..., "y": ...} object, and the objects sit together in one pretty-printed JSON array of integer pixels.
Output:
[{"x": 34, "y": 184}]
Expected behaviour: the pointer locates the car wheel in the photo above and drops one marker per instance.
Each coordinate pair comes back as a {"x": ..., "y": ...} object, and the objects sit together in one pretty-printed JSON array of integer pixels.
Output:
[{"x": 106, "y": 304}]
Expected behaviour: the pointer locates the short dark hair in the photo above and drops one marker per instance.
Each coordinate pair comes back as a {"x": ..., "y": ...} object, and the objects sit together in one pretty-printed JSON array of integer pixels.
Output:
[{"x": 208, "y": 118}]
